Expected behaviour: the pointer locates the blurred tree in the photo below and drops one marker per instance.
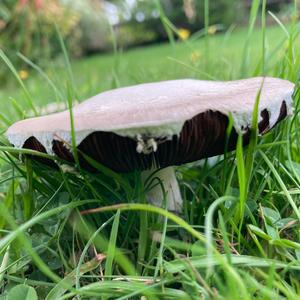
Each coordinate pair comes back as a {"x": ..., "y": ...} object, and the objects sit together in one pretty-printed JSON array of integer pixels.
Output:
[
  {"x": 93, "y": 25},
  {"x": 273, "y": 5}
]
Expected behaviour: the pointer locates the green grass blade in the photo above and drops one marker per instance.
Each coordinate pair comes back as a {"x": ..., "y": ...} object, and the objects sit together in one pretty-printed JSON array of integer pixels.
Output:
[{"x": 111, "y": 251}]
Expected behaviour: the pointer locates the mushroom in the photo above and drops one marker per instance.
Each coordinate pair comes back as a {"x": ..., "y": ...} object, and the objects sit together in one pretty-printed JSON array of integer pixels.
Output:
[{"x": 158, "y": 125}]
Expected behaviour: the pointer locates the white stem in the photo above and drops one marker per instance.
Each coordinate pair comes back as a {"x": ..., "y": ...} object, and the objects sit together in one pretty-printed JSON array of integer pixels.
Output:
[{"x": 173, "y": 195}]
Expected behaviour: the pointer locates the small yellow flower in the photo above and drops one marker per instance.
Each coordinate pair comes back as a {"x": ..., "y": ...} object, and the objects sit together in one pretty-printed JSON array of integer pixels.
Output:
[
  {"x": 195, "y": 55},
  {"x": 184, "y": 33},
  {"x": 23, "y": 74},
  {"x": 212, "y": 29}
]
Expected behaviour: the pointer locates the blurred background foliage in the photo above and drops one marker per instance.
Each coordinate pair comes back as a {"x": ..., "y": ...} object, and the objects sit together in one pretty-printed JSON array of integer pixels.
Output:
[{"x": 89, "y": 26}]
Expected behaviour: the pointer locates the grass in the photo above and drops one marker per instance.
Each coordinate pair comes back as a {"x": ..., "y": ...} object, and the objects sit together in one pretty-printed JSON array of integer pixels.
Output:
[{"x": 238, "y": 237}]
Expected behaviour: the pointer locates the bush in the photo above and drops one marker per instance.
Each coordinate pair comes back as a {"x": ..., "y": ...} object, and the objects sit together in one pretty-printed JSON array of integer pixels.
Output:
[
  {"x": 128, "y": 35},
  {"x": 27, "y": 26}
]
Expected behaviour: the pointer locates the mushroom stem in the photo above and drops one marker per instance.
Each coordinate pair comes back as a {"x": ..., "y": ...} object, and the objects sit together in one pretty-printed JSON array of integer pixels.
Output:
[{"x": 155, "y": 195}]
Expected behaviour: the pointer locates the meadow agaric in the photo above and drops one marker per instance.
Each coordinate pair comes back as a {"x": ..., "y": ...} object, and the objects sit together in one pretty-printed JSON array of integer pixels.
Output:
[{"x": 159, "y": 125}]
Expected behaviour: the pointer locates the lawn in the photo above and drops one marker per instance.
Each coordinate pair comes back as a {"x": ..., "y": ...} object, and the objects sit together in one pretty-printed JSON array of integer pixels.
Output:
[{"x": 223, "y": 246}]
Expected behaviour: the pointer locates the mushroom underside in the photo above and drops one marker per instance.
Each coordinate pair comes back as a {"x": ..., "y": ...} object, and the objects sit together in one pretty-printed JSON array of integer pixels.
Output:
[{"x": 202, "y": 136}]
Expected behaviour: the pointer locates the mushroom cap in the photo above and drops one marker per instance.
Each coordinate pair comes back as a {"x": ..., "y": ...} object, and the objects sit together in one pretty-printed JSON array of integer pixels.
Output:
[{"x": 162, "y": 123}]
